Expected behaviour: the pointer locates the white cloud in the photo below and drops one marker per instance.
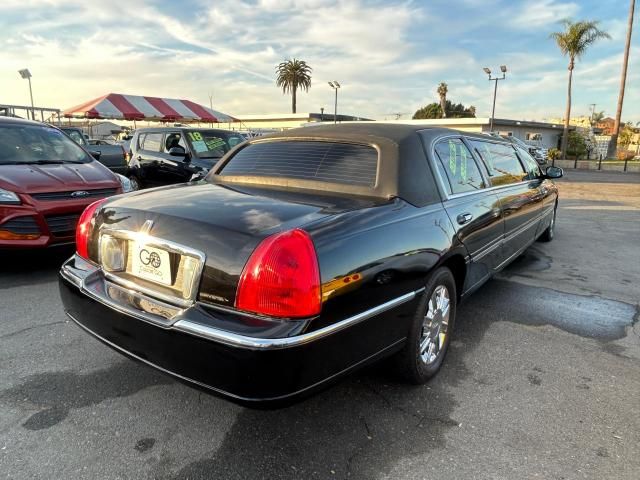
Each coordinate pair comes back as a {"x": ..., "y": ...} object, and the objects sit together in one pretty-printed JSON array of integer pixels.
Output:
[{"x": 388, "y": 57}]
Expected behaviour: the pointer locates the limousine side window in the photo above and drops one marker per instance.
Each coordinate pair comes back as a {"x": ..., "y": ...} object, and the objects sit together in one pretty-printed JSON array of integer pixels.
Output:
[
  {"x": 459, "y": 166},
  {"x": 533, "y": 170},
  {"x": 501, "y": 161}
]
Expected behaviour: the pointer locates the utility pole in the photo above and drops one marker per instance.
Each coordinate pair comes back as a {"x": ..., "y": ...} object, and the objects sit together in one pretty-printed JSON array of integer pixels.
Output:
[
  {"x": 613, "y": 143},
  {"x": 211, "y": 103},
  {"x": 593, "y": 112}
]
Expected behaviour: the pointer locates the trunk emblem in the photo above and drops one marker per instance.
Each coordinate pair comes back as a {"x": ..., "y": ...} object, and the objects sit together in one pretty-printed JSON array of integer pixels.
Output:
[{"x": 146, "y": 226}]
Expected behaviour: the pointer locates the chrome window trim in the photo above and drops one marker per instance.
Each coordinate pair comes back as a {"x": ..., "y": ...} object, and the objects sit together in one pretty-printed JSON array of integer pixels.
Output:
[
  {"x": 443, "y": 184},
  {"x": 489, "y": 189}
]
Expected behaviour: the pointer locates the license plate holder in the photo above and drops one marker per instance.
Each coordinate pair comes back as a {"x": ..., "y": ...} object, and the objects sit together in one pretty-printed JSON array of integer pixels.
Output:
[{"x": 151, "y": 263}]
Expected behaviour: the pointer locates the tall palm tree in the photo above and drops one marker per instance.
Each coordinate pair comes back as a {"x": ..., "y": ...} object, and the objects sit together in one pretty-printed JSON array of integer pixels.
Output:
[
  {"x": 573, "y": 42},
  {"x": 442, "y": 92},
  {"x": 291, "y": 75},
  {"x": 613, "y": 143}
]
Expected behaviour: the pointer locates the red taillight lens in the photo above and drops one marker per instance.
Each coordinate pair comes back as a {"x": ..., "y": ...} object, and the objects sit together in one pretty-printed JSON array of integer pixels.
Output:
[
  {"x": 84, "y": 228},
  {"x": 281, "y": 278}
]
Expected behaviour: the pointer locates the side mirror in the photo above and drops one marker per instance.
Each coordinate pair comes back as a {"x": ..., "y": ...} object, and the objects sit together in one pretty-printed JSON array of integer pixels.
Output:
[
  {"x": 554, "y": 172},
  {"x": 177, "y": 152},
  {"x": 95, "y": 154}
]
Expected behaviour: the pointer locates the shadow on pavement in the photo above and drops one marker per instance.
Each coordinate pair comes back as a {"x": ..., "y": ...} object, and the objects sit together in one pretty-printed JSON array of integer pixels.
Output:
[{"x": 29, "y": 267}]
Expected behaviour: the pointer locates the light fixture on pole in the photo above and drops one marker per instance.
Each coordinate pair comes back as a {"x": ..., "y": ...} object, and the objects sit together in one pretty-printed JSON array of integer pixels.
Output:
[
  {"x": 503, "y": 69},
  {"x": 25, "y": 73},
  {"x": 335, "y": 85}
]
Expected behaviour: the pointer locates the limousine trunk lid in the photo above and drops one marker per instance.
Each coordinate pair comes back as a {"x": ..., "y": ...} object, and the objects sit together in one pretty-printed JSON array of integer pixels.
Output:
[{"x": 221, "y": 225}]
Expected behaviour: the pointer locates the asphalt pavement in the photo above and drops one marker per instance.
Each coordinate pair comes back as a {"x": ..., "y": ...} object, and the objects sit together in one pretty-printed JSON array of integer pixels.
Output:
[{"x": 542, "y": 381}]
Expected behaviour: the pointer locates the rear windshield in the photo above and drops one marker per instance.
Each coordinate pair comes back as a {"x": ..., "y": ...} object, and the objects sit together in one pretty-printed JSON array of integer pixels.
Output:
[
  {"x": 307, "y": 160},
  {"x": 38, "y": 144}
]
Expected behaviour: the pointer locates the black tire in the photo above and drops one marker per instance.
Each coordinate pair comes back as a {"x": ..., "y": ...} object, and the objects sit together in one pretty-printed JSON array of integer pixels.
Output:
[
  {"x": 410, "y": 362},
  {"x": 549, "y": 233}
]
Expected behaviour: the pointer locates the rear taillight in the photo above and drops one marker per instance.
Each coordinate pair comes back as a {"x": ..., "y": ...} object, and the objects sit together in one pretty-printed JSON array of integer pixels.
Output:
[
  {"x": 85, "y": 227},
  {"x": 281, "y": 278}
]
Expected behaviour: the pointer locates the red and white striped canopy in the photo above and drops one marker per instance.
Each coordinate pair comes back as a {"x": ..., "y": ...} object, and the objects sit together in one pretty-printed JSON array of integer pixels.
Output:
[{"x": 137, "y": 107}]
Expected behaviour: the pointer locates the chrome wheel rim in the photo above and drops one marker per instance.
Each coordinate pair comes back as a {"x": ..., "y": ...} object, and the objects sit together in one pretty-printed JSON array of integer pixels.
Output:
[
  {"x": 553, "y": 224},
  {"x": 134, "y": 183},
  {"x": 435, "y": 326}
]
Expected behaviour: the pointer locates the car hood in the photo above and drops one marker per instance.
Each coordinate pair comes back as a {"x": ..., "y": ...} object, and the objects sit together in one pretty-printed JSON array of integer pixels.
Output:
[{"x": 56, "y": 177}]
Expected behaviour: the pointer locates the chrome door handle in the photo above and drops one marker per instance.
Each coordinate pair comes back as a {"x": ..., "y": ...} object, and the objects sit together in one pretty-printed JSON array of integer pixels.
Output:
[{"x": 464, "y": 218}]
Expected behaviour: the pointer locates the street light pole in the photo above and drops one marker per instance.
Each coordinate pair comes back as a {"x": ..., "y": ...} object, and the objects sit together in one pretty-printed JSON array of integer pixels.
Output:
[
  {"x": 335, "y": 85},
  {"x": 503, "y": 69},
  {"x": 25, "y": 73}
]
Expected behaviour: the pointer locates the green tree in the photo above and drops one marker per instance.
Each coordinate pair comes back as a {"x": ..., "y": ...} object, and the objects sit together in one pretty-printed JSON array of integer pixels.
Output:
[
  {"x": 597, "y": 117},
  {"x": 576, "y": 145},
  {"x": 625, "y": 136},
  {"x": 442, "y": 93},
  {"x": 291, "y": 75},
  {"x": 573, "y": 42},
  {"x": 434, "y": 110}
]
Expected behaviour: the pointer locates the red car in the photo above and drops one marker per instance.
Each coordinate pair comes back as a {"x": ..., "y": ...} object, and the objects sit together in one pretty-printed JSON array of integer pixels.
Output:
[{"x": 46, "y": 181}]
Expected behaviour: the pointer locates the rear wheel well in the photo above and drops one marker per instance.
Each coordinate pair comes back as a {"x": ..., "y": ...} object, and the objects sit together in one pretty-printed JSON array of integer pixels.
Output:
[{"x": 458, "y": 268}]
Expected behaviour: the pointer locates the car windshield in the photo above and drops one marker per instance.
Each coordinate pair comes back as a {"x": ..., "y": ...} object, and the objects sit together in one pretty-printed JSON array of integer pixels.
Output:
[
  {"x": 212, "y": 143},
  {"x": 38, "y": 144}
]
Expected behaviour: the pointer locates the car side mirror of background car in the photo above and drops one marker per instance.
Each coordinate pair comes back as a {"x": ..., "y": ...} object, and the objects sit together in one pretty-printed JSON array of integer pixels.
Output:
[
  {"x": 95, "y": 154},
  {"x": 554, "y": 172}
]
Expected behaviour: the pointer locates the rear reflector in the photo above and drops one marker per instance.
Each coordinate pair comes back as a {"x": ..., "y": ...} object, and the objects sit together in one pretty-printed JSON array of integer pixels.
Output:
[
  {"x": 85, "y": 227},
  {"x": 281, "y": 278}
]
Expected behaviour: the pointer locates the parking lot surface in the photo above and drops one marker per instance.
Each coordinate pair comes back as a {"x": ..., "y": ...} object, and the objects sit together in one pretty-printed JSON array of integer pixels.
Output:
[{"x": 542, "y": 381}]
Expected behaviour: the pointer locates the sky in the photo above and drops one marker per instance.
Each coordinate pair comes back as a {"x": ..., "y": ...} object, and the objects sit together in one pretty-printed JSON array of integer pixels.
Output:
[{"x": 389, "y": 56}]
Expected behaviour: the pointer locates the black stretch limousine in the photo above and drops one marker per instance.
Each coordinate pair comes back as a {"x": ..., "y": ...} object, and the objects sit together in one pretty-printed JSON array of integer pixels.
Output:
[{"x": 305, "y": 255}]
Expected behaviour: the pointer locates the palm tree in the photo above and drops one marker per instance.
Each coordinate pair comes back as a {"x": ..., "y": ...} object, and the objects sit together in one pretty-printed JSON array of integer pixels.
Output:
[
  {"x": 573, "y": 42},
  {"x": 597, "y": 117},
  {"x": 613, "y": 143},
  {"x": 293, "y": 74},
  {"x": 442, "y": 92}
]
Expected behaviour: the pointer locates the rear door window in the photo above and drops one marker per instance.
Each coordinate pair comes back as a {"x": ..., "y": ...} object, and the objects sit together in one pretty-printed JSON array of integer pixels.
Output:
[
  {"x": 501, "y": 162},
  {"x": 307, "y": 160},
  {"x": 151, "y": 142},
  {"x": 459, "y": 166}
]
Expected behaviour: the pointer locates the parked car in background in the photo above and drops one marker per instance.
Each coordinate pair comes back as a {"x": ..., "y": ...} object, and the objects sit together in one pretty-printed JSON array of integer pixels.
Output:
[
  {"x": 305, "y": 255},
  {"x": 46, "y": 181},
  {"x": 538, "y": 153},
  {"x": 110, "y": 155},
  {"x": 169, "y": 155}
]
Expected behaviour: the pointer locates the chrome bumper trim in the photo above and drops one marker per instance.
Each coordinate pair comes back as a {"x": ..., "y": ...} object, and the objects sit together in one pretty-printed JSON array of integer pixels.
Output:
[{"x": 223, "y": 336}]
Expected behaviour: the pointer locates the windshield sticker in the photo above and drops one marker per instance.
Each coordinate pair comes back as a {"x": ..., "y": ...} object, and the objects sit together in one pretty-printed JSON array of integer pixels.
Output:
[
  {"x": 215, "y": 143},
  {"x": 199, "y": 146},
  {"x": 195, "y": 136},
  {"x": 452, "y": 157},
  {"x": 463, "y": 163}
]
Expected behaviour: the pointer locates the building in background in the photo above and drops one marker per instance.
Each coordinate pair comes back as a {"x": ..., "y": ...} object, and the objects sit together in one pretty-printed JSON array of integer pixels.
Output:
[{"x": 539, "y": 134}]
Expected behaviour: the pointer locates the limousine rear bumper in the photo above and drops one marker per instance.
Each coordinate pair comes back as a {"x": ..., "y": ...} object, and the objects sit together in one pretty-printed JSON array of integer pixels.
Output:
[{"x": 253, "y": 371}]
